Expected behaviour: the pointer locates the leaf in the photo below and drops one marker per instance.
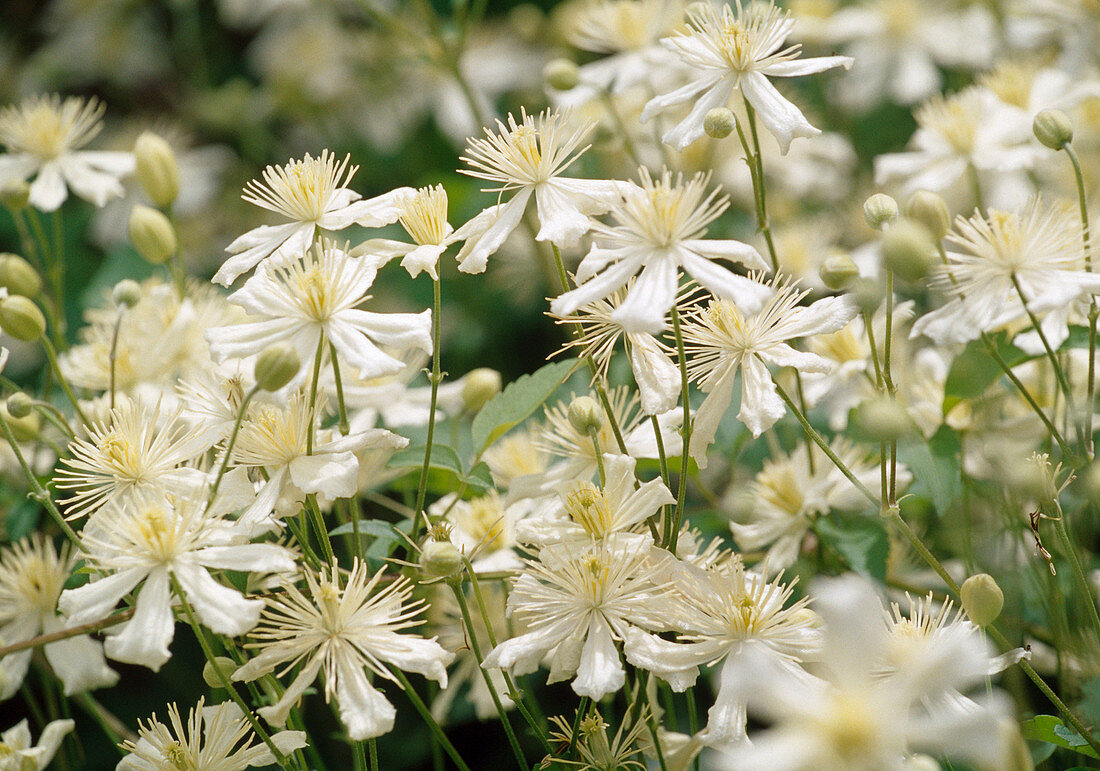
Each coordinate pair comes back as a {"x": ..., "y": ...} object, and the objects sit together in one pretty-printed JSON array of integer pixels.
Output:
[
  {"x": 375, "y": 528},
  {"x": 443, "y": 457},
  {"x": 22, "y": 519},
  {"x": 518, "y": 400},
  {"x": 860, "y": 539},
  {"x": 1051, "y": 729},
  {"x": 937, "y": 474},
  {"x": 974, "y": 370}
]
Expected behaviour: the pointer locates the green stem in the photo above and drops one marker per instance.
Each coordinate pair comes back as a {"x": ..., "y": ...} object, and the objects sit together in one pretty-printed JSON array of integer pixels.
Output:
[
  {"x": 685, "y": 433},
  {"x": 51, "y": 355},
  {"x": 628, "y": 142},
  {"x": 761, "y": 189},
  {"x": 37, "y": 491},
  {"x": 1082, "y": 202},
  {"x": 1078, "y": 573},
  {"x": 229, "y": 445},
  {"x": 436, "y": 377},
  {"x": 582, "y": 710},
  {"x": 341, "y": 406},
  {"x": 595, "y": 434},
  {"x": 372, "y": 744},
  {"x": 313, "y": 392},
  {"x": 426, "y": 715}
]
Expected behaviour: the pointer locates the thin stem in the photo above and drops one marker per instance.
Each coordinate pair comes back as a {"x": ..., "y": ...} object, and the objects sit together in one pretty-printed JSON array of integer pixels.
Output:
[
  {"x": 1078, "y": 574},
  {"x": 436, "y": 377},
  {"x": 57, "y": 269},
  {"x": 313, "y": 392},
  {"x": 628, "y": 142},
  {"x": 372, "y": 745},
  {"x": 65, "y": 634},
  {"x": 51, "y": 355},
  {"x": 1059, "y": 373},
  {"x": 758, "y": 178},
  {"x": 341, "y": 406},
  {"x": 685, "y": 433},
  {"x": 37, "y": 491},
  {"x": 112, "y": 357},
  {"x": 582, "y": 710},
  {"x": 895, "y": 514},
  {"x": 595, "y": 434},
  {"x": 1082, "y": 202},
  {"x": 426, "y": 714},
  {"x": 229, "y": 445},
  {"x": 115, "y": 730}
]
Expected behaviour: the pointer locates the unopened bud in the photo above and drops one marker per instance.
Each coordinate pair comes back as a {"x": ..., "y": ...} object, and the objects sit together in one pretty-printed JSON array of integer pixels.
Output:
[
  {"x": 21, "y": 318},
  {"x": 25, "y": 428},
  {"x": 20, "y": 405},
  {"x": 719, "y": 123},
  {"x": 218, "y": 672},
  {"x": 1090, "y": 482},
  {"x": 478, "y": 387},
  {"x": 585, "y": 414},
  {"x": 15, "y": 195},
  {"x": 867, "y": 294},
  {"x": 908, "y": 250},
  {"x": 921, "y": 763},
  {"x": 561, "y": 74},
  {"x": 19, "y": 276},
  {"x": 276, "y": 365},
  {"x": 152, "y": 234},
  {"x": 156, "y": 169},
  {"x": 440, "y": 559},
  {"x": 882, "y": 419},
  {"x": 931, "y": 211},
  {"x": 880, "y": 209},
  {"x": 838, "y": 271},
  {"x": 982, "y": 599},
  {"x": 1053, "y": 128},
  {"x": 127, "y": 293}
]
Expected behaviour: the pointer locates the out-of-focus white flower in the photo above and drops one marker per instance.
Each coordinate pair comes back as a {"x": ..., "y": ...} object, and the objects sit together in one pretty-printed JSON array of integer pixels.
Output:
[
  {"x": 215, "y": 738},
  {"x": 342, "y": 626},
  {"x": 484, "y": 528},
  {"x": 722, "y": 341},
  {"x": 18, "y": 754},
  {"x": 659, "y": 228},
  {"x": 44, "y": 135},
  {"x": 313, "y": 193},
  {"x": 738, "y": 50},
  {"x": 315, "y": 297},
  {"x": 32, "y": 575}
]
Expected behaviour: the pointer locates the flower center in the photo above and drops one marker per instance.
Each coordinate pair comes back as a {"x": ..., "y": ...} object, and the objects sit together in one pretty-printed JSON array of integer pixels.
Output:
[
  {"x": 587, "y": 506},
  {"x": 424, "y": 216}
]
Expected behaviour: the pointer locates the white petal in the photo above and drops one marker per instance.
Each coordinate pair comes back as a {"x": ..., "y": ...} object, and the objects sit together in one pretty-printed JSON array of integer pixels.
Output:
[
  {"x": 761, "y": 406},
  {"x": 146, "y": 636},
  {"x": 779, "y": 115},
  {"x": 704, "y": 425},
  {"x": 364, "y": 711},
  {"x": 600, "y": 672}
]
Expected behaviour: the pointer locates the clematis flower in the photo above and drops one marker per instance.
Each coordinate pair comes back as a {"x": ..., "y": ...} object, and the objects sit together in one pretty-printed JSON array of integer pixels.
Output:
[
  {"x": 730, "y": 50},
  {"x": 18, "y": 754}
]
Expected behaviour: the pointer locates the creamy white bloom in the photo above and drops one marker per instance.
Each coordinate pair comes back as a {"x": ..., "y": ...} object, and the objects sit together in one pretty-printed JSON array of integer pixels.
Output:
[
  {"x": 658, "y": 230},
  {"x": 423, "y": 214},
  {"x": 215, "y": 738},
  {"x": 315, "y": 297},
  {"x": 17, "y": 753},
  {"x": 44, "y": 135},
  {"x": 32, "y": 574},
  {"x": 740, "y": 49},
  {"x": 483, "y": 528},
  {"x": 313, "y": 193},
  {"x": 722, "y": 340},
  {"x": 529, "y": 157},
  {"x": 344, "y": 625},
  {"x": 145, "y": 543}
]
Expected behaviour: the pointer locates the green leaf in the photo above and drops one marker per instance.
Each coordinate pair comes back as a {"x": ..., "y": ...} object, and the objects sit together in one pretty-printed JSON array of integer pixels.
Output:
[
  {"x": 937, "y": 475},
  {"x": 22, "y": 519},
  {"x": 375, "y": 528},
  {"x": 860, "y": 539},
  {"x": 1090, "y": 703},
  {"x": 443, "y": 457},
  {"x": 974, "y": 370},
  {"x": 1051, "y": 729},
  {"x": 480, "y": 479},
  {"x": 518, "y": 400}
]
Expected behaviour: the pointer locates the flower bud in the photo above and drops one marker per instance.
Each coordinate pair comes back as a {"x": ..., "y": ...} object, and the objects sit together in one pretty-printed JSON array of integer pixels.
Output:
[
  {"x": 19, "y": 276},
  {"x": 478, "y": 387},
  {"x": 15, "y": 195},
  {"x": 931, "y": 211},
  {"x": 719, "y": 123},
  {"x": 152, "y": 234},
  {"x": 982, "y": 599},
  {"x": 225, "y": 666},
  {"x": 20, "y": 405},
  {"x": 585, "y": 414},
  {"x": 127, "y": 293},
  {"x": 561, "y": 74},
  {"x": 24, "y": 429},
  {"x": 1090, "y": 482},
  {"x": 880, "y": 209},
  {"x": 440, "y": 559},
  {"x": 867, "y": 294},
  {"x": 21, "y": 318},
  {"x": 882, "y": 419},
  {"x": 921, "y": 763},
  {"x": 908, "y": 250},
  {"x": 838, "y": 271},
  {"x": 1053, "y": 128},
  {"x": 276, "y": 365},
  {"x": 156, "y": 169}
]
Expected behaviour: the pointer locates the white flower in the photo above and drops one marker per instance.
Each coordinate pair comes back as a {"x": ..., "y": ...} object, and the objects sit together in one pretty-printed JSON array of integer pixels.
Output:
[
  {"x": 316, "y": 295},
  {"x": 483, "y": 528},
  {"x": 344, "y": 630},
  {"x": 728, "y": 51},
  {"x": 215, "y": 738},
  {"x": 44, "y": 135},
  {"x": 32, "y": 575},
  {"x": 423, "y": 214},
  {"x": 313, "y": 193},
  {"x": 659, "y": 228},
  {"x": 721, "y": 341},
  {"x": 17, "y": 753},
  {"x": 151, "y": 540},
  {"x": 529, "y": 157}
]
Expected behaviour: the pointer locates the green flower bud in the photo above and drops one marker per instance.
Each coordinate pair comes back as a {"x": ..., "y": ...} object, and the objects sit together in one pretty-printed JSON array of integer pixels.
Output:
[
  {"x": 225, "y": 666},
  {"x": 152, "y": 235},
  {"x": 127, "y": 293},
  {"x": 838, "y": 271},
  {"x": 21, "y": 318},
  {"x": 440, "y": 559},
  {"x": 867, "y": 294},
  {"x": 882, "y": 419},
  {"x": 478, "y": 387},
  {"x": 1053, "y": 128},
  {"x": 1090, "y": 482},
  {"x": 982, "y": 599},
  {"x": 931, "y": 211},
  {"x": 719, "y": 123},
  {"x": 921, "y": 763},
  {"x": 561, "y": 74},
  {"x": 908, "y": 250},
  {"x": 585, "y": 414},
  {"x": 879, "y": 210},
  {"x": 20, "y": 405},
  {"x": 15, "y": 195},
  {"x": 276, "y": 365},
  {"x": 19, "y": 276},
  {"x": 156, "y": 169},
  {"x": 24, "y": 429}
]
